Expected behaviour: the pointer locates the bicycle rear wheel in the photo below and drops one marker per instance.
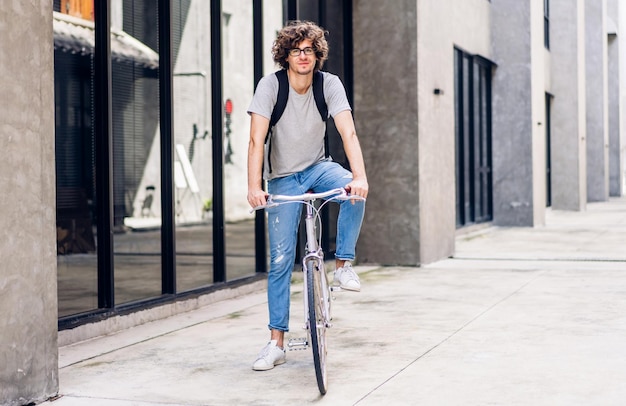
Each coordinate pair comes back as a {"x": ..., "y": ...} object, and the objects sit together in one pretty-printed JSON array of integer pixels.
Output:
[{"x": 317, "y": 323}]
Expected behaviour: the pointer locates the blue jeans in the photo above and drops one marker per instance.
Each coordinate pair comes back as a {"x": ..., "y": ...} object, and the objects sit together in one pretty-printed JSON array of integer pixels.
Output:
[{"x": 283, "y": 222}]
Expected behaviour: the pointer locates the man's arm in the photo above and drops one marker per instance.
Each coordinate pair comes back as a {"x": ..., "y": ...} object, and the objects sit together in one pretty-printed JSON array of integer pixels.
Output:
[
  {"x": 258, "y": 130},
  {"x": 352, "y": 148}
]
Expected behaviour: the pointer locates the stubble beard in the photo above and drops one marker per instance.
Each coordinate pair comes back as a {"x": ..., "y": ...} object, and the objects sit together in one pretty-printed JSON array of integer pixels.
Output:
[{"x": 303, "y": 71}]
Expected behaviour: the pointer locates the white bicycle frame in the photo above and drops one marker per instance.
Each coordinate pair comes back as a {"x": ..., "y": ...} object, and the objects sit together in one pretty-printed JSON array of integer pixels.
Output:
[
  {"x": 316, "y": 318},
  {"x": 313, "y": 251}
]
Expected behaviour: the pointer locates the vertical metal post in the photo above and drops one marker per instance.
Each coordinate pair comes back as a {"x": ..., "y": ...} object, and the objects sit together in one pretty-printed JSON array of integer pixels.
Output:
[
  {"x": 260, "y": 246},
  {"x": 321, "y": 13},
  {"x": 103, "y": 151},
  {"x": 219, "y": 247},
  {"x": 168, "y": 240},
  {"x": 292, "y": 10}
]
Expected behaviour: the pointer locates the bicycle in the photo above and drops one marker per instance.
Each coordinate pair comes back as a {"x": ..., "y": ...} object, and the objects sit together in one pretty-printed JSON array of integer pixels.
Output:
[{"x": 317, "y": 290}]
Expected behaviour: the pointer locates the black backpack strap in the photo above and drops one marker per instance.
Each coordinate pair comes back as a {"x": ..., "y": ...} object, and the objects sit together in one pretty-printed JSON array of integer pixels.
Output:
[
  {"x": 318, "y": 94},
  {"x": 320, "y": 102},
  {"x": 283, "y": 95},
  {"x": 277, "y": 112}
]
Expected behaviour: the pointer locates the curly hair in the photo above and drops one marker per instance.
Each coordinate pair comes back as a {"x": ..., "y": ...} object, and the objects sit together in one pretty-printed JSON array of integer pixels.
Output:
[{"x": 293, "y": 34}]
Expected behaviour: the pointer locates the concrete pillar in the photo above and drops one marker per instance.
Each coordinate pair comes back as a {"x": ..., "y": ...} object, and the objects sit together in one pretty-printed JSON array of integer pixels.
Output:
[
  {"x": 28, "y": 285},
  {"x": 597, "y": 101},
  {"x": 385, "y": 108},
  {"x": 567, "y": 51},
  {"x": 518, "y": 93},
  {"x": 616, "y": 50}
]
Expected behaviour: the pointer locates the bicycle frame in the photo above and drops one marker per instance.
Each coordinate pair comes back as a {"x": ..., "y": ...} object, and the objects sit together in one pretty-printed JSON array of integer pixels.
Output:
[
  {"x": 314, "y": 253},
  {"x": 317, "y": 291}
]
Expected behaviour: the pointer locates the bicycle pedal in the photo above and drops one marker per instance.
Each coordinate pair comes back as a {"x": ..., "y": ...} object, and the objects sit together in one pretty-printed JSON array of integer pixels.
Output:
[
  {"x": 295, "y": 344},
  {"x": 335, "y": 289}
]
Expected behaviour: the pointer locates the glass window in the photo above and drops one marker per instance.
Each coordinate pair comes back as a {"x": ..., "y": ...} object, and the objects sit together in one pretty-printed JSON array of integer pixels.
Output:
[
  {"x": 75, "y": 181},
  {"x": 136, "y": 150},
  {"x": 137, "y": 169},
  {"x": 193, "y": 155},
  {"x": 238, "y": 88}
]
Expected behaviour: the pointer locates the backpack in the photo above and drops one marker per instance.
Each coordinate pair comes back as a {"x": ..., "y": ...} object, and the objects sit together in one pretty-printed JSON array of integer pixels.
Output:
[{"x": 281, "y": 103}]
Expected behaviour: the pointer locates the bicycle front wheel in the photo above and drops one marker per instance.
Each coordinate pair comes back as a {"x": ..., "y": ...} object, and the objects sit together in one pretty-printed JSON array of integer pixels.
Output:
[{"x": 317, "y": 323}]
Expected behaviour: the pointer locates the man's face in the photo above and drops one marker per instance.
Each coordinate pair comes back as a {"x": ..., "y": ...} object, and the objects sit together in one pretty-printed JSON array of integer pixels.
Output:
[{"x": 302, "y": 64}]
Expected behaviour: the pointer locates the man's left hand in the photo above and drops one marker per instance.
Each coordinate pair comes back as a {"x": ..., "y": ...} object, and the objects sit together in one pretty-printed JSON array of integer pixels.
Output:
[{"x": 358, "y": 187}]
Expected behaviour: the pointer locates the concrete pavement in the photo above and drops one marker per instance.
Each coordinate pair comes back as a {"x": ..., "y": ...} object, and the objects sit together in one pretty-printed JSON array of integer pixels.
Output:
[{"x": 519, "y": 316}]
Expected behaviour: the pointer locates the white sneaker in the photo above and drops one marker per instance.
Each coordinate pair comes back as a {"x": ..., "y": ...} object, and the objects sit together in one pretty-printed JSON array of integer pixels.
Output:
[
  {"x": 346, "y": 278},
  {"x": 270, "y": 356}
]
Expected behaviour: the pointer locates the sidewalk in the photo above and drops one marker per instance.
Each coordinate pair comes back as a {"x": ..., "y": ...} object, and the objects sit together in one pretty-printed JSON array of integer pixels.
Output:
[{"x": 519, "y": 316}]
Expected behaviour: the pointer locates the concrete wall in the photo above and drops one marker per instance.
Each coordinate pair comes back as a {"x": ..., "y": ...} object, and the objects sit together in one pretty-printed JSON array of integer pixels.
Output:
[
  {"x": 409, "y": 141},
  {"x": 408, "y": 132},
  {"x": 518, "y": 137},
  {"x": 597, "y": 101},
  {"x": 28, "y": 295},
  {"x": 441, "y": 27},
  {"x": 569, "y": 176},
  {"x": 385, "y": 110}
]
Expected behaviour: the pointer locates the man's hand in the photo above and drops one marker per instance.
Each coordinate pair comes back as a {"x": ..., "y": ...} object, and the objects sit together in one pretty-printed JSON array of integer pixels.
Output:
[
  {"x": 358, "y": 187},
  {"x": 257, "y": 197}
]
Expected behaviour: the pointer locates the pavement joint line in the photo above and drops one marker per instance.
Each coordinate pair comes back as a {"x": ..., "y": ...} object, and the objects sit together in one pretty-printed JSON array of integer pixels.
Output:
[
  {"x": 539, "y": 259},
  {"x": 454, "y": 333},
  {"x": 116, "y": 400}
]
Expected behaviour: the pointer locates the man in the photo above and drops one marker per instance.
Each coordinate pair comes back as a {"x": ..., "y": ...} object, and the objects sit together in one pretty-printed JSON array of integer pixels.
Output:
[{"x": 298, "y": 164}]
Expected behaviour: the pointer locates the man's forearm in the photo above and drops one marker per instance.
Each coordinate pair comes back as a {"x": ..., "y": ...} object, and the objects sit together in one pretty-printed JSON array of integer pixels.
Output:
[
  {"x": 354, "y": 154},
  {"x": 255, "y": 166}
]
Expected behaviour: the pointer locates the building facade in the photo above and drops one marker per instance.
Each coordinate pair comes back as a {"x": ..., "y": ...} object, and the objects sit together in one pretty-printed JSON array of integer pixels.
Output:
[{"x": 124, "y": 144}]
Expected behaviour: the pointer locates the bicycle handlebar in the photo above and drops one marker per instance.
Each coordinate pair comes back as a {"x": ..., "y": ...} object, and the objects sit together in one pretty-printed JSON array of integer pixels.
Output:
[
  {"x": 335, "y": 194},
  {"x": 308, "y": 196}
]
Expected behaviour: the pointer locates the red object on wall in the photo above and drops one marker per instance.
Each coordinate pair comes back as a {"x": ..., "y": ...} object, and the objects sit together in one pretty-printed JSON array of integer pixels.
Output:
[{"x": 228, "y": 106}]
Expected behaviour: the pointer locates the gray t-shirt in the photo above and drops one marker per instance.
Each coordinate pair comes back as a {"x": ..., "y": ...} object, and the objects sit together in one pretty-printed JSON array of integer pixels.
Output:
[{"x": 298, "y": 137}]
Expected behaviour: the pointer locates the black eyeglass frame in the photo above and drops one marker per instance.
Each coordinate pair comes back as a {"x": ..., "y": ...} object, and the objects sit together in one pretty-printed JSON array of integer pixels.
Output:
[{"x": 297, "y": 51}]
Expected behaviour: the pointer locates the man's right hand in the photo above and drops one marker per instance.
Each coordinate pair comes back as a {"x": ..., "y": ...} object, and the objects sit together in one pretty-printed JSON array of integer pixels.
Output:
[{"x": 257, "y": 197}]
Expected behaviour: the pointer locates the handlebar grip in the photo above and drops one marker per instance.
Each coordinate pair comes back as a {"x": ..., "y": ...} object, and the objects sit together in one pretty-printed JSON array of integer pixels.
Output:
[
  {"x": 265, "y": 206},
  {"x": 350, "y": 197}
]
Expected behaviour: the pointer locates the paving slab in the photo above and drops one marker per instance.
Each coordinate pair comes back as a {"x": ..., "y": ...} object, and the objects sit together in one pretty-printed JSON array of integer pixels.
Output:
[{"x": 531, "y": 316}]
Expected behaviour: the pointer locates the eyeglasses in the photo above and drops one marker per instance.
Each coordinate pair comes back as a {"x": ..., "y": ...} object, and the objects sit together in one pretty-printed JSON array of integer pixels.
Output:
[{"x": 297, "y": 51}]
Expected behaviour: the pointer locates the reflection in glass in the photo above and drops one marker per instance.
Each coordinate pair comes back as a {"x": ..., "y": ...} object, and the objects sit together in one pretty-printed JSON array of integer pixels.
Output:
[
  {"x": 238, "y": 74},
  {"x": 75, "y": 184},
  {"x": 136, "y": 150},
  {"x": 193, "y": 184}
]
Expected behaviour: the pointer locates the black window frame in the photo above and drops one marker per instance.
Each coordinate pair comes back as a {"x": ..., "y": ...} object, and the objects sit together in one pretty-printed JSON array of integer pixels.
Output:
[{"x": 548, "y": 133}]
